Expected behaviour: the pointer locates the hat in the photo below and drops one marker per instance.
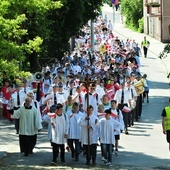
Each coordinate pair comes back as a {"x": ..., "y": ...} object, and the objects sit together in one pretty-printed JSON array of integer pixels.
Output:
[
  {"x": 53, "y": 107},
  {"x": 145, "y": 75},
  {"x": 24, "y": 81},
  {"x": 71, "y": 82},
  {"x": 70, "y": 75},
  {"x": 132, "y": 74},
  {"x": 60, "y": 85},
  {"x": 30, "y": 94},
  {"x": 128, "y": 82},
  {"x": 122, "y": 83},
  {"x": 55, "y": 86},
  {"x": 55, "y": 77}
]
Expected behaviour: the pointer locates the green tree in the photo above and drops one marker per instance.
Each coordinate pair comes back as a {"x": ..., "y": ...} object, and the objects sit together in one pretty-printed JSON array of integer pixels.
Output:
[
  {"x": 32, "y": 30},
  {"x": 67, "y": 22},
  {"x": 133, "y": 11},
  {"x": 23, "y": 29}
]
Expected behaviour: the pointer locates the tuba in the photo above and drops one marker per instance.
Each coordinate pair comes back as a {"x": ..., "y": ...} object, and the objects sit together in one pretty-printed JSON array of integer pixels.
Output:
[
  {"x": 139, "y": 86},
  {"x": 38, "y": 76}
]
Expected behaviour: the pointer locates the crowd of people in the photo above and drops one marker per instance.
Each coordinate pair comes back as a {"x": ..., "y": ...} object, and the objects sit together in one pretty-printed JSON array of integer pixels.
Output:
[{"x": 86, "y": 97}]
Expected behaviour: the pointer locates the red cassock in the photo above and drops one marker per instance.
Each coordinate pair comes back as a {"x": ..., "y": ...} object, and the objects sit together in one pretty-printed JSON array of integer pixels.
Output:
[{"x": 6, "y": 93}]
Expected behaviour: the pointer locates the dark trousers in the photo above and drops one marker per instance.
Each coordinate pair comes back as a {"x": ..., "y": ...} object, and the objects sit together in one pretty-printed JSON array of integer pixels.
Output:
[
  {"x": 92, "y": 154},
  {"x": 26, "y": 143},
  {"x": 56, "y": 148},
  {"x": 132, "y": 116},
  {"x": 16, "y": 121},
  {"x": 125, "y": 115},
  {"x": 75, "y": 149},
  {"x": 16, "y": 125},
  {"x": 138, "y": 110},
  {"x": 140, "y": 105},
  {"x": 145, "y": 50}
]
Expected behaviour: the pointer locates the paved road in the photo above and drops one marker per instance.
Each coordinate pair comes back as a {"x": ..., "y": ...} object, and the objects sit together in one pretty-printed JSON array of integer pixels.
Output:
[{"x": 144, "y": 148}]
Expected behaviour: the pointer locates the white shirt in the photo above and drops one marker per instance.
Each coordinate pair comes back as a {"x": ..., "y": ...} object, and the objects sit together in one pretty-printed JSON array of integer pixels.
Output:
[
  {"x": 50, "y": 97},
  {"x": 22, "y": 97},
  {"x": 118, "y": 96}
]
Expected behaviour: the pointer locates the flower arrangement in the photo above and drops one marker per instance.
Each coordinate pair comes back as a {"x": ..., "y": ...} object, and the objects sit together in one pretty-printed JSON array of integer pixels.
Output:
[{"x": 153, "y": 4}]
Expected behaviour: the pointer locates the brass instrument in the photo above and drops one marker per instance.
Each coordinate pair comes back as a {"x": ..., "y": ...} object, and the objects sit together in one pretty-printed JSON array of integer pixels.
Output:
[
  {"x": 139, "y": 86},
  {"x": 38, "y": 76}
]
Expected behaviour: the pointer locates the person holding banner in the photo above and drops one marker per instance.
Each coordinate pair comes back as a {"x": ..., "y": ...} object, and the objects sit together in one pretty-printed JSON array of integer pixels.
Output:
[{"x": 123, "y": 99}]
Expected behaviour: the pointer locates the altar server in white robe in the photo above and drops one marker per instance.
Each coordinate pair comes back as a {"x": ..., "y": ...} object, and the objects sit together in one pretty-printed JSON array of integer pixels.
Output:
[
  {"x": 107, "y": 136},
  {"x": 93, "y": 130},
  {"x": 117, "y": 115},
  {"x": 60, "y": 127},
  {"x": 74, "y": 131}
]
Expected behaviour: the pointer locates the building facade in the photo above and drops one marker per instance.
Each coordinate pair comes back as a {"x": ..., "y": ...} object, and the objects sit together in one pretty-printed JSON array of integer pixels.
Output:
[{"x": 157, "y": 19}]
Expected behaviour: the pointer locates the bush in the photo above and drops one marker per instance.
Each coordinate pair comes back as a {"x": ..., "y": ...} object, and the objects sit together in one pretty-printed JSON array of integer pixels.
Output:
[{"x": 141, "y": 25}]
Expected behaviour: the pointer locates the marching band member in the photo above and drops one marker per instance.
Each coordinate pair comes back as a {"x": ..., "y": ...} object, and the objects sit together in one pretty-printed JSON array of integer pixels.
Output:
[
  {"x": 131, "y": 115},
  {"x": 123, "y": 99},
  {"x": 54, "y": 98}
]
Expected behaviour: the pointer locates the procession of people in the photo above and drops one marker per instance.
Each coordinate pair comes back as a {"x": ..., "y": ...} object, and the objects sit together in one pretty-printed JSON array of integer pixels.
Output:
[{"x": 88, "y": 98}]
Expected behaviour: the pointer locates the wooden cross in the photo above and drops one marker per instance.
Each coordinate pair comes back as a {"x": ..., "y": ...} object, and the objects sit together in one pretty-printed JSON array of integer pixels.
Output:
[{"x": 87, "y": 83}]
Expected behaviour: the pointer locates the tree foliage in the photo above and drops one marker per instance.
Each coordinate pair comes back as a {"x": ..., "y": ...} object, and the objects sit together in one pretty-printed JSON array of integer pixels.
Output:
[
  {"x": 10, "y": 71},
  {"x": 34, "y": 29},
  {"x": 21, "y": 25},
  {"x": 67, "y": 22},
  {"x": 133, "y": 11}
]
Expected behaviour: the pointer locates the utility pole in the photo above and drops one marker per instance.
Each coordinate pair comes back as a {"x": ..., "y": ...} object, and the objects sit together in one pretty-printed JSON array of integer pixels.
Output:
[{"x": 92, "y": 35}]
